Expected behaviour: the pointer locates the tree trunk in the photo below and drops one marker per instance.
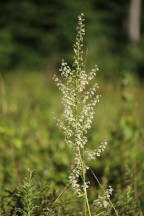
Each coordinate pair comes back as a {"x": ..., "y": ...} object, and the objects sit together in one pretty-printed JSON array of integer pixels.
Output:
[{"x": 134, "y": 20}]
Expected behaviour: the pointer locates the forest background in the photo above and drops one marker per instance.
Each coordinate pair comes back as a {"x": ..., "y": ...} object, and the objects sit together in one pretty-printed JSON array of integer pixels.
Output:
[{"x": 37, "y": 34}]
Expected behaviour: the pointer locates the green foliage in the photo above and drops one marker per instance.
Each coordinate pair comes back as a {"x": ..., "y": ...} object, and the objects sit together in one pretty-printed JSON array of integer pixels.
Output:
[
  {"x": 127, "y": 201},
  {"x": 30, "y": 198},
  {"x": 126, "y": 151},
  {"x": 29, "y": 138},
  {"x": 28, "y": 194},
  {"x": 134, "y": 57},
  {"x": 32, "y": 34}
]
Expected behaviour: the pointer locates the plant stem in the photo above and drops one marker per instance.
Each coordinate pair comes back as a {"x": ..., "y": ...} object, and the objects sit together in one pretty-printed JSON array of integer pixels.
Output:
[
  {"x": 60, "y": 195},
  {"x": 116, "y": 212},
  {"x": 84, "y": 183},
  {"x": 81, "y": 159}
]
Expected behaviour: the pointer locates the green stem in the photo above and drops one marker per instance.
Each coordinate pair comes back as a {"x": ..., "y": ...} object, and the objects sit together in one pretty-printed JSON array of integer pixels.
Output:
[
  {"x": 112, "y": 205},
  {"x": 76, "y": 117},
  {"x": 99, "y": 213},
  {"x": 84, "y": 183},
  {"x": 60, "y": 195},
  {"x": 83, "y": 169}
]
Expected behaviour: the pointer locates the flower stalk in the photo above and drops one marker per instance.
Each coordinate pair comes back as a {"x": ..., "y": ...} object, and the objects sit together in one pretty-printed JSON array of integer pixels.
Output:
[{"x": 79, "y": 103}]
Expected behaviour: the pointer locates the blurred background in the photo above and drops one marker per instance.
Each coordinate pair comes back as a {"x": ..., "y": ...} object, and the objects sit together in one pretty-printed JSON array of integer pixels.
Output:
[
  {"x": 34, "y": 36},
  {"x": 37, "y": 34}
]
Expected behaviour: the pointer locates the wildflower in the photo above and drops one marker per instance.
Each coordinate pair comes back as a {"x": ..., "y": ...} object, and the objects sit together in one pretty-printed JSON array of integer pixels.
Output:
[
  {"x": 103, "y": 201},
  {"x": 79, "y": 103}
]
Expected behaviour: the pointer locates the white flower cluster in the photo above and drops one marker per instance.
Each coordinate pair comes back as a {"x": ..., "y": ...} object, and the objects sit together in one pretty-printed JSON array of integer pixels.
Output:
[
  {"x": 92, "y": 73},
  {"x": 74, "y": 176},
  {"x": 103, "y": 201},
  {"x": 79, "y": 104},
  {"x": 91, "y": 155},
  {"x": 65, "y": 70}
]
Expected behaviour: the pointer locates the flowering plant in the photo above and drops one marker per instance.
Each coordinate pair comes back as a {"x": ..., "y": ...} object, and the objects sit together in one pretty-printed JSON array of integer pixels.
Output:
[{"x": 79, "y": 103}]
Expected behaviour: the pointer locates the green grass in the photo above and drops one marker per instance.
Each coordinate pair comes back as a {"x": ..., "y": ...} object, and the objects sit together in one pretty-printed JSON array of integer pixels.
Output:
[{"x": 29, "y": 137}]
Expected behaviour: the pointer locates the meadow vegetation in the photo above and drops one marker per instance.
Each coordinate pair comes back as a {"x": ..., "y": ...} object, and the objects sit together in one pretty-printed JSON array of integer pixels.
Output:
[{"x": 35, "y": 160}]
